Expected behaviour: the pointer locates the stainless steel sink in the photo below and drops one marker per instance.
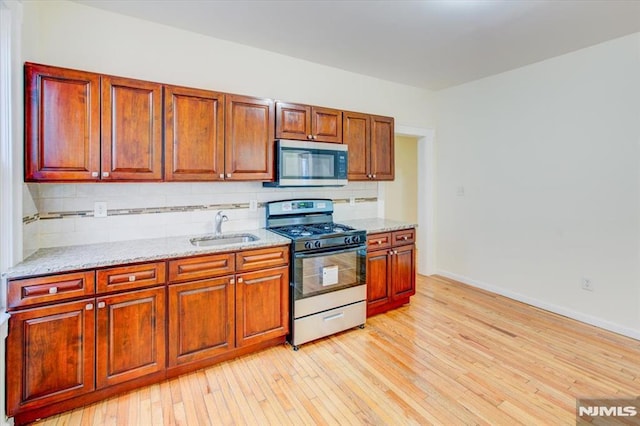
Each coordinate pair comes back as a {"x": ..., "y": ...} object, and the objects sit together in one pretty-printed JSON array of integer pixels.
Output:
[{"x": 223, "y": 239}]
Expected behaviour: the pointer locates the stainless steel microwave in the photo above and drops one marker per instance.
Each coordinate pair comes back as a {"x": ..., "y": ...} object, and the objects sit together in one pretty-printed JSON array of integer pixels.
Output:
[{"x": 301, "y": 163}]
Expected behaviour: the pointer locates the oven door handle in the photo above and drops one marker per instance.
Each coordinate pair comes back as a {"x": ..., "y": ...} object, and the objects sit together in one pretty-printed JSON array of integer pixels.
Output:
[{"x": 329, "y": 251}]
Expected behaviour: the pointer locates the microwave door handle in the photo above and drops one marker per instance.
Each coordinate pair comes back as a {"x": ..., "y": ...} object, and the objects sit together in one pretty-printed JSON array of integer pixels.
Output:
[{"x": 329, "y": 251}]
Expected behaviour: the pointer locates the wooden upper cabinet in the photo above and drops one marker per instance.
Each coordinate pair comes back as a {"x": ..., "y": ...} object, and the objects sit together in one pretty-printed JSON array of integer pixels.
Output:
[
  {"x": 249, "y": 129},
  {"x": 382, "y": 148},
  {"x": 194, "y": 134},
  {"x": 131, "y": 129},
  {"x": 371, "y": 146},
  {"x": 357, "y": 135},
  {"x": 293, "y": 121},
  {"x": 326, "y": 125},
  {"x": 62, "y": 124},
  {"x": 304, "y": 122}
]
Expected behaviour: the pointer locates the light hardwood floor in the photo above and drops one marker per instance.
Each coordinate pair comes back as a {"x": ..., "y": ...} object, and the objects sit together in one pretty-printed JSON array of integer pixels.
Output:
[{"x": 456, "y": 355}]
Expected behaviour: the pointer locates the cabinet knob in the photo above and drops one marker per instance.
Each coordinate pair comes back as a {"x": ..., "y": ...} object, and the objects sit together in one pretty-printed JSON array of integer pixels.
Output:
[
  {"x": 53, "y": 290},
  {"x": 369, "y": 176},
  {"x": 94, "y": 174},
  {"x": 89, "y": 306},
  {"x": 105, "y": 174},
  {"x": 228, "y": 175},
  {"x": 221, "y": 175},
  {"x": 379, "y": 242},
  {"x": 232, "y": 281},
  {"x": 101, "y": 305},
  {"x": 404, "y": 237},
  {"x": 132, "y": 278},
  {"x": 373, "y": 176},
  {"x": 395, "y": 252},
  {"x": 240, "y": 279},
  {"x": 310, "y": 137},
  {"x": 390, "y": 252}
]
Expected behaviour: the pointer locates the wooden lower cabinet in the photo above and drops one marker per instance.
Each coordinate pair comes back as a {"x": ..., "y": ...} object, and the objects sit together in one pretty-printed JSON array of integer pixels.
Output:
[
  {"x": 391, "y": 271},
  {"x": 64, "y": 353},
  {"x": 130, "y": 338},
  {"x": 201, "y": 319},
  {"x": 262, "y": 305},
  {"x": 50, "y": 355}
]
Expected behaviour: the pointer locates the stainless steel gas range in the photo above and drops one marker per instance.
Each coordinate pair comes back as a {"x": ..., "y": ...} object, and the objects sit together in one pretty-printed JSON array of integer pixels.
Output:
[{"x": 328, "y": 268}]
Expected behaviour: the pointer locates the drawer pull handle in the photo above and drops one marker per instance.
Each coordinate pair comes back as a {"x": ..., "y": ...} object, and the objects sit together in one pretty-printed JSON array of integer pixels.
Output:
[
  {"x": 404, "y": 237},
  {"x": 101, "y": 305},
  {"x": 53, "y": 290},
  {"x": 89, "y": 307},
  {"x": 132, "y": 278},
  {"x": 334, "y": 316}
]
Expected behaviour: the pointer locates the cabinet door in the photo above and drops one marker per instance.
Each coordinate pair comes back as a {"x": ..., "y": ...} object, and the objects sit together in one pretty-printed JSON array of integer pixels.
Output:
[
  {"x": 249, "y": 131},
  {"x": 326, "y": 125},
  {"x": 382, "y": 148},
  {"x": 131, "y": 129},
  {"x": 378, "y": 281},
  {"x": 50, "y": 355},
  {"x": 194, "y": 134},
  {"x": 62, "y": 124},
  {"x": 201, "y": 319},
  {"x": 262, "y": 300},
  {"x": 130, "y": 340},
  {"x": 403, "y": 272},
  {"x": 293, "y": 121},
  {"x": 357, "y": 134}
]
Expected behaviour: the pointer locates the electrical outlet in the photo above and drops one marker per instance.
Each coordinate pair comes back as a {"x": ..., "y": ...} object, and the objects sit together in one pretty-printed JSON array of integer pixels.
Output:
[
  {"x": 253, "y": 205},
  {"x": 587, "y": 284},
  {"x": 100, "y": 209},
  {"x": 352, "y": 201}
]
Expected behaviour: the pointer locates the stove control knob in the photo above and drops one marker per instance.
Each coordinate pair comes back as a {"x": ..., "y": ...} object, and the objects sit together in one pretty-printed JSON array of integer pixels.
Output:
[
  {"x": 355, "y": 239},
  {"x": 348, "y": 240},
  {"x": 308, "y": 245},
  {"x": 317, "y": 244}
]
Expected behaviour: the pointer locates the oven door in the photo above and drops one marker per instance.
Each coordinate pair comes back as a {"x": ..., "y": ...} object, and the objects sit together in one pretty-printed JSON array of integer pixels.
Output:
[{"x": 324, "y": 271}]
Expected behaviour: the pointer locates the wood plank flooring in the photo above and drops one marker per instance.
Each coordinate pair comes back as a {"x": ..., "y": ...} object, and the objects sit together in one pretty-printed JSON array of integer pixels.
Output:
[{"x": 456, "y": 355}]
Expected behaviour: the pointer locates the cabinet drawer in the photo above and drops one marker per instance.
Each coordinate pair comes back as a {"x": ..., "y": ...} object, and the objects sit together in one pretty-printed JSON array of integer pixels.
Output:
[
  {"x": 379, "y": 241},
  {"x": 131, "y": 277},
  {"x": 262, "y": 258},
  {"x": 194, "y": 268},
  {"x": 406, "y": 236},
  {"x": 32, "y": 291}
]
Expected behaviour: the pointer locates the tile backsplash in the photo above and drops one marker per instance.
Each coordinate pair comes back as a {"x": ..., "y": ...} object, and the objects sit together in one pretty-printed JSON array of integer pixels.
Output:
[{"x": 64, "y": 212}]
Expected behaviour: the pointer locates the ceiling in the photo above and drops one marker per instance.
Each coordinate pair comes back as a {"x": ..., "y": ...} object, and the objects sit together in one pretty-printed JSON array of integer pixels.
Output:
[{"x": 428, "y": 44}]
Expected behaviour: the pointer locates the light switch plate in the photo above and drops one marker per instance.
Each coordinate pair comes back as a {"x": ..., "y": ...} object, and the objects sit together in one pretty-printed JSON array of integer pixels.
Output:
[{"x": 100, "y": 209}]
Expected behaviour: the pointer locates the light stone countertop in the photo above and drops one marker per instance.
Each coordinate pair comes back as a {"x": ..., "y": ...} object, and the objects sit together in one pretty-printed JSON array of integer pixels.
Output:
[
  {"x": 89, "y": 256},
  {"x": 62, "y": 259},
  {"x": 375, "y": 225}
]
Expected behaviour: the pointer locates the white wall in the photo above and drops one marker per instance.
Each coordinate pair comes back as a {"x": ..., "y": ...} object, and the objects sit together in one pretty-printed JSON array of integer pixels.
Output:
[
  {"x": 67, "y": 34},
  {"x": 549, "y": 159}
]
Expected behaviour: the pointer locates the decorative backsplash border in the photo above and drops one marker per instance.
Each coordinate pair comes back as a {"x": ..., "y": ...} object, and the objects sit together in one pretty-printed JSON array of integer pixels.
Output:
[{"x": 173, "y": 209}]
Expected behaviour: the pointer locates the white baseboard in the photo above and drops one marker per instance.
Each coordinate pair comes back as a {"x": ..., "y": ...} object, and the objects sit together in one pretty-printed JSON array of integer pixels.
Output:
[{"x": 561, "y": 310}]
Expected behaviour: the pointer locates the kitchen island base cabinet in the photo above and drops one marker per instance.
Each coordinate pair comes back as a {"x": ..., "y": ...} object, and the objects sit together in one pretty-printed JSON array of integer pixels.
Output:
[{"x": 391, "y": 274}]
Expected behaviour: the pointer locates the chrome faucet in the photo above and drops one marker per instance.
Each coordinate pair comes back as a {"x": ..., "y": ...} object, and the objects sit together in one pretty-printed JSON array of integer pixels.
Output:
[{"x": 218, "y": 223}]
